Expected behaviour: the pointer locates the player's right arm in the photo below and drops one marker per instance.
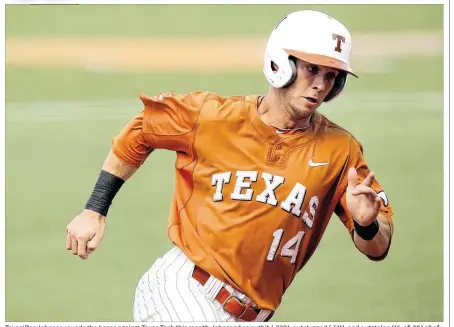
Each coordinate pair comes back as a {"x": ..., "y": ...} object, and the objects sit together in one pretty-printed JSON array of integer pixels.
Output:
[
  {"x": 165, "y": 123},
  {"x": 86, "y": 230},
  {"x": 129, "y": 150}
]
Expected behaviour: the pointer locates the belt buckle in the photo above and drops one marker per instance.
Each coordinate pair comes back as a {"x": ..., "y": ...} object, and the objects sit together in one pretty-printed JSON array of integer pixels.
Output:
[
  {"x": 243, "y": 306},
  {"x": 231, "y": 296},
  {"x": 227, "y": 300}
]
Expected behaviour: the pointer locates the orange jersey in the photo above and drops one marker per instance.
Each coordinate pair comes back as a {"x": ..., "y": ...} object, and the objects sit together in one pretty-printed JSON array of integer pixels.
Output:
[{"x": 250, "y": 205}]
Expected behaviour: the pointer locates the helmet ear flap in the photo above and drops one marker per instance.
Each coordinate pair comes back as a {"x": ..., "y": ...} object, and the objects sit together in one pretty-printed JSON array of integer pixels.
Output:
[
  {"x": 286, "y": 67},
  {"x": 292, "y": 62},
  {"x": 339, "y": 84}
]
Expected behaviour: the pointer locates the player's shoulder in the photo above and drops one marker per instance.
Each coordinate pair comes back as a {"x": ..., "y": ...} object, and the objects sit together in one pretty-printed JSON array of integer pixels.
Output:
[
  {"x": 195, "y": 98},
  {"x": 228, "y": 100},
  {"x": 339, "y": 133}
]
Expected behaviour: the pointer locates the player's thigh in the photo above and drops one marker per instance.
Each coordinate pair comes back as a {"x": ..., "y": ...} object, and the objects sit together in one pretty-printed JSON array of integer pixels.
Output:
[{"x": 167, "y": 292}]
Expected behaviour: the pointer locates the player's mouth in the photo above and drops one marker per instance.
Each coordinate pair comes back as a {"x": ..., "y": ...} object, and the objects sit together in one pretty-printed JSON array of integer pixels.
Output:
[{"x": 311, "y": 100}]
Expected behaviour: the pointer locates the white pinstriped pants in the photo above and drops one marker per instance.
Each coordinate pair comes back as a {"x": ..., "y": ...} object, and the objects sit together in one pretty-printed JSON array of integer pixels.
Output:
[{"x": 167, "y": 292}]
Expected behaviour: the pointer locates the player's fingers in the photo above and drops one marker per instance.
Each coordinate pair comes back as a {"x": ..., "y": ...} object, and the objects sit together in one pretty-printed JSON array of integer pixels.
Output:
[
  {"x": 93, "y": 243},
  {"x": 352, "y": 177},
  {"x": 364, "y": 190},
  {"x": 369, "y": 179},
  {"x": 68, "y": 241},
  {"x": 73, "y": 245},
  {"x": 82, "y": 248},
  {"x": 377, "y": 204}
]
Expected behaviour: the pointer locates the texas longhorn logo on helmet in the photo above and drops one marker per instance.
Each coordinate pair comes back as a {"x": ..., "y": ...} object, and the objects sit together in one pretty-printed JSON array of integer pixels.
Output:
[{"x": 340, "y": 39}]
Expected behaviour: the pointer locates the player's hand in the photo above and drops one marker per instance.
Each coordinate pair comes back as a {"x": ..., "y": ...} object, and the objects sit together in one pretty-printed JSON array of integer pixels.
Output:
[
  {"x": 362, "y": 201},
  {"x": 85, "y": 232}
]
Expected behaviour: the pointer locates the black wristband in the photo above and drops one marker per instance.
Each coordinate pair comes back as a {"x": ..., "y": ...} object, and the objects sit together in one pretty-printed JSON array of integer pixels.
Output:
[
  {"x": 367, "y": 232},
  {"x": 105, "y": 190}
]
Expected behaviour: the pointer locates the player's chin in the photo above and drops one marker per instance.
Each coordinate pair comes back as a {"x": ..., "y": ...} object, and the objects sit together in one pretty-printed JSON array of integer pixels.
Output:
[{"x": 306, "y": 109}]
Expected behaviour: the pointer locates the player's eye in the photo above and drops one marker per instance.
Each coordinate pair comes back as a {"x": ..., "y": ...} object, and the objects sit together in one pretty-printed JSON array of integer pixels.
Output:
[
  {"x": 313, "y": 69},
  {"x": 331, "y": 76}
]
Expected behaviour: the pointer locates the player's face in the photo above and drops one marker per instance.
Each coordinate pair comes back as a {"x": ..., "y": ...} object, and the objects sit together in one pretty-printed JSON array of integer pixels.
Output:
[{"x": 311, "y": 86}]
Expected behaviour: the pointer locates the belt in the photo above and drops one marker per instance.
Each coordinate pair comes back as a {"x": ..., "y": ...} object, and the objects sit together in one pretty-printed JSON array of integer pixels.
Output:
[{"x": 230, "y": 303}]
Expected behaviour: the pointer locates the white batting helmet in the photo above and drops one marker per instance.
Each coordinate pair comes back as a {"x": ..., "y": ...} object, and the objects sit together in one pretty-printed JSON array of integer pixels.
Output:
[{"x": 311, "y": 36}]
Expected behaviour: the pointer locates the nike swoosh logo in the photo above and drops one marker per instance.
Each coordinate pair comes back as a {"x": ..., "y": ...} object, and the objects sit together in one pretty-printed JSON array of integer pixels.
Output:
[{"x": 317, "y": 164}]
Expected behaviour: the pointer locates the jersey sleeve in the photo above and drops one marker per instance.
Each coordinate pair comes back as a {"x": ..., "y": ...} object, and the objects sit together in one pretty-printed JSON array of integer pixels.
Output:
[
  {"x": 167, "y": 121},
  {"x": 356, "y": 159}
]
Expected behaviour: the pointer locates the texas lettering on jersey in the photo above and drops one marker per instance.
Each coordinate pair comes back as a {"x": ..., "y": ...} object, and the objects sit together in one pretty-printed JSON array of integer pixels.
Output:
[
  {"x": 292, "y": 203},
  {"x": 250, "y": 206}
]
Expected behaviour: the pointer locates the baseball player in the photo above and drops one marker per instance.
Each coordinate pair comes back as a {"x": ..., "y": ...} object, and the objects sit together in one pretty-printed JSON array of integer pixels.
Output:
[{"x": 257, "y": 179}]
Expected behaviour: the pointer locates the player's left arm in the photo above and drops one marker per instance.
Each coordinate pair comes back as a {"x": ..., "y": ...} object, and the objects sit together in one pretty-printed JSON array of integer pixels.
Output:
[
  {"x": 377, "y": 247},
  {"x": 372, "y": 225},
  {"x": 364, "y": 207}
]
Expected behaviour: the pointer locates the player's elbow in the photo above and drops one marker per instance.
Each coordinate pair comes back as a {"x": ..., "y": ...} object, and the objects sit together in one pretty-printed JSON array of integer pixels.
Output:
[{"x": 379, "y": 255}]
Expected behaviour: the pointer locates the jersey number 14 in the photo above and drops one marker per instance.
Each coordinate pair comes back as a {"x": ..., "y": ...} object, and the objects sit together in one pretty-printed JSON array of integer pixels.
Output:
[{"x": 290, "y": 249}]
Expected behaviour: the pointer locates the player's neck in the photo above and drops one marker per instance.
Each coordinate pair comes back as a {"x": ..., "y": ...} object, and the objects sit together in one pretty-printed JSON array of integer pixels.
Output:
[{"x": 274, "y": 114}]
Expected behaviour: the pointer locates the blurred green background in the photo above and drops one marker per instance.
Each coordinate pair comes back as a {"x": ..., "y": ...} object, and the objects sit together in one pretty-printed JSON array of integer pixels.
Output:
[{"x": 60, "y": 121}]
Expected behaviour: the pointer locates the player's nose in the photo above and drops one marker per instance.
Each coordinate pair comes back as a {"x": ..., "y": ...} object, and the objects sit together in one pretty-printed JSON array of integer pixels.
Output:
[{"x": 319, "y": 83}]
